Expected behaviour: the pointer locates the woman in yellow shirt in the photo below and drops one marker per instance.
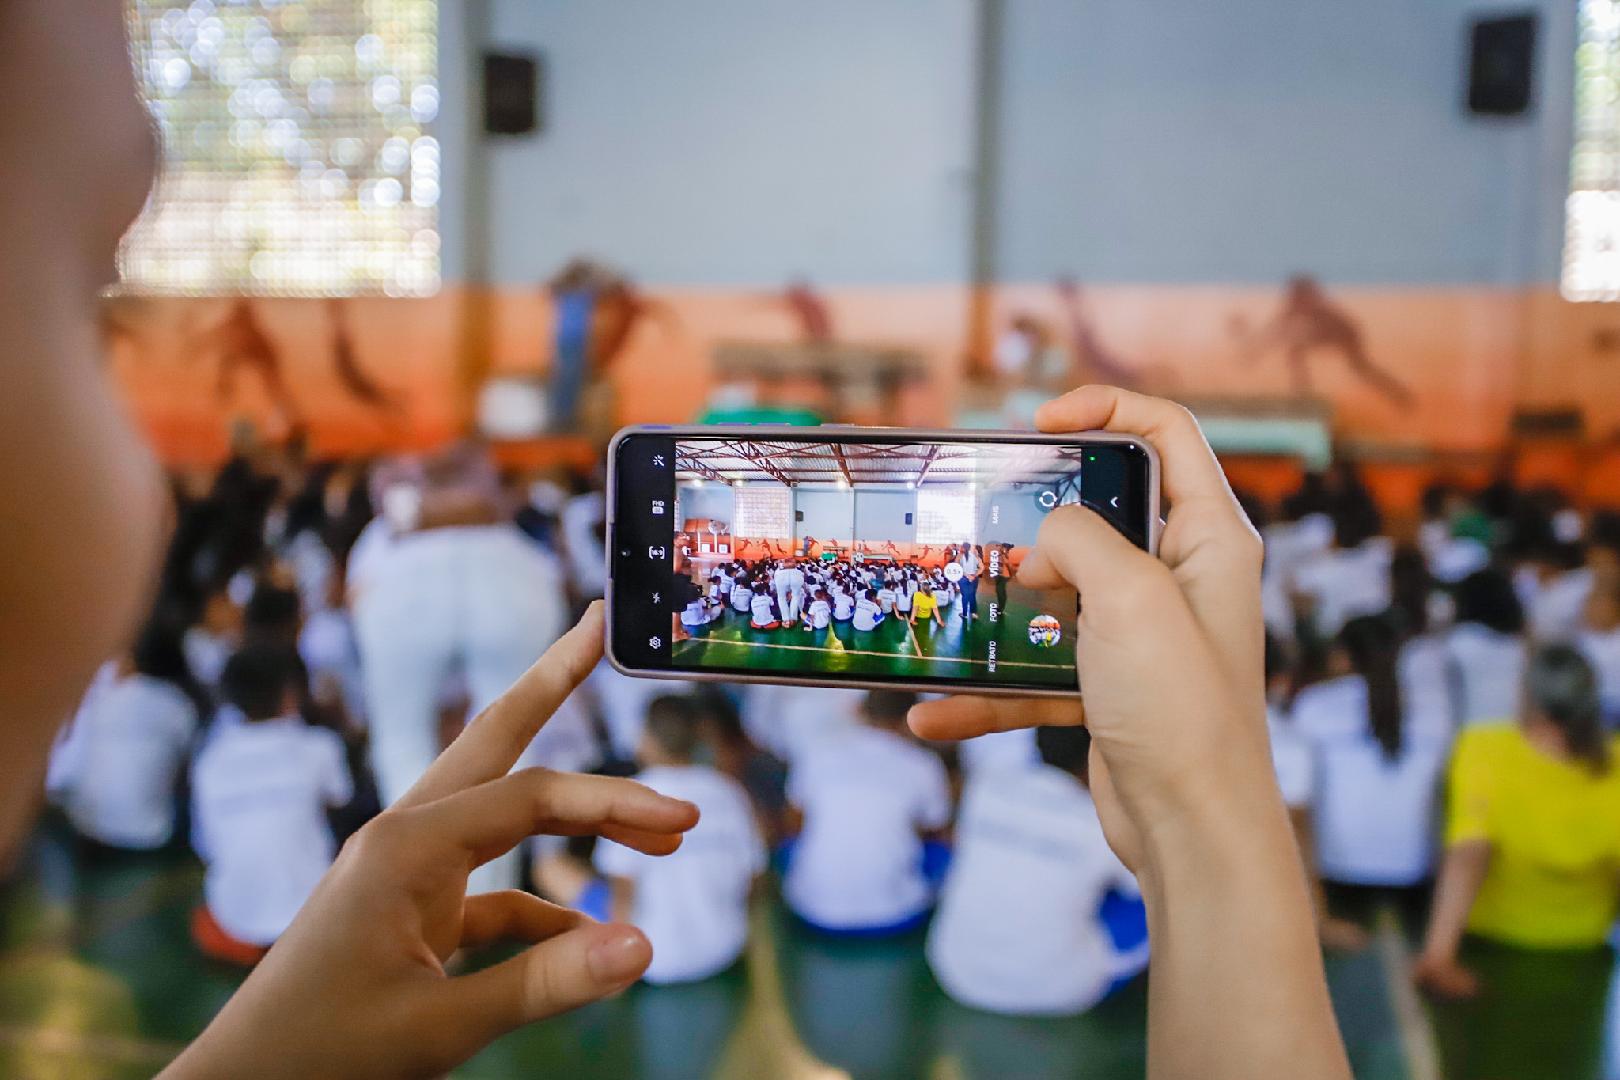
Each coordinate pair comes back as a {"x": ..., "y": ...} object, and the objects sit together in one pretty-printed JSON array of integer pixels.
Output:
[{"x": 1533, "y": 829}]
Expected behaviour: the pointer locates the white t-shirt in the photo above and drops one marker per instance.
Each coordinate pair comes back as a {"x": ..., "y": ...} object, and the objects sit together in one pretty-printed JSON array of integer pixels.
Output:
[
  {"x": 260, "y": 792},
  {"x": 1488, "y": 670},
  {"x": 1554, "y": 608},
  {"x": 1345, "y": 583},
  {"x": 1374, "y": 818},
  {"x": 866, "y": 795},
  {"x": 741, "y": 597},
  {"x": 843, "y": 606},
  {"x": 1602, "y": 651},
  {"x": 1013, "y": 749},
  {"x": 206, "y": 654},
  {"x": 1017, "y": 928},
  {"x": 886, "y": 598},
  {"x": 695, "y": 614},
  {"x": 764, "y": 610},
  {"x": 820, "y": 614},
  {"x": 1291, "y": 758},
  {"x": 942, "y": 598},
  {"x": 132, "y": 737},
  {"x": 786, "y": 719},
  {"x": 693, "y": 904},
  {"x": 867, "y": 614}
]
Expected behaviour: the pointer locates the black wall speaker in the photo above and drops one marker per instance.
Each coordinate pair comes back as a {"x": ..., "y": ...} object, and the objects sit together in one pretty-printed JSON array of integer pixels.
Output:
[
  {"x": 511, "y": 94},
  {"x": 1501, "y": 64}
]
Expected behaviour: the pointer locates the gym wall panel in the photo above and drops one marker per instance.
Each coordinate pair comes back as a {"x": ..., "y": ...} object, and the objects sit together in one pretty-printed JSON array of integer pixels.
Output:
[
  {"x": 880, "y": 515},
  {"x": 829, "y": 513}
]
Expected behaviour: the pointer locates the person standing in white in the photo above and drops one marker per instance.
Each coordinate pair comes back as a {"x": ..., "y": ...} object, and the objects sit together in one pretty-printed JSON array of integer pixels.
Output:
[
  {"x": 261, "y": 788},
  {"x": 131, "y": 739},
  {"x": 458, "y": 590},
  {"x": 693, "y": 904},
  {"x": 867, "y": 795},
  {"x": 790, "y": 592},
  {"x": 1020, "y": 927}
]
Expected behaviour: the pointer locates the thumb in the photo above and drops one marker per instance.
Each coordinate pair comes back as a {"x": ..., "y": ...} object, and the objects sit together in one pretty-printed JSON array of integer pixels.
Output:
[
  {"x": 572, "y": 969},
  {"x": 1077, "y": 548}
]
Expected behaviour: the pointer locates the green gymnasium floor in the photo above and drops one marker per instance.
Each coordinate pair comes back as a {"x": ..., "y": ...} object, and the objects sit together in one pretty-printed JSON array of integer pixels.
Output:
[
  {"x": 98, "y": 980},
  {"x": 894, "y": 648}
]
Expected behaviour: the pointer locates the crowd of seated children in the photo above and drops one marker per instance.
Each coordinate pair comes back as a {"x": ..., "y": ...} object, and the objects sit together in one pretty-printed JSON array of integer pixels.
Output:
[
  {"x": 813, "y": 595},
  {"x": 1484, "y": 693}
]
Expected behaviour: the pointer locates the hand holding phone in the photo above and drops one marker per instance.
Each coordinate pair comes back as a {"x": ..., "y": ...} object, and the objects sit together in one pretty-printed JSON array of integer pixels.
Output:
[
  {"x": 848, "y": 556},
  {"x": 1170, "y": 653}
]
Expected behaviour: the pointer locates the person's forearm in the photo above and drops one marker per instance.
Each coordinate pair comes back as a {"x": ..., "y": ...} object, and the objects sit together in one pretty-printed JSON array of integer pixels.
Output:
[
  {"x": 1461, "y": 874},
  {"x": 1233, "y": 935}
]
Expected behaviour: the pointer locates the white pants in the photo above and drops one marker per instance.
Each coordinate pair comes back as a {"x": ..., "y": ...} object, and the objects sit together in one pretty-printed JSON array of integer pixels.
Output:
[
  {"x": 790, "y": 598},
  {"x": 483, "y": 601}
]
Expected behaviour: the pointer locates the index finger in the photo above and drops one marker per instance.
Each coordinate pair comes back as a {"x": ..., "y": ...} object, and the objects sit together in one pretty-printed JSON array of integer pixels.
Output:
[
  {"x": 1190, "y": 468},
  {"x": 492, "y": 743}
]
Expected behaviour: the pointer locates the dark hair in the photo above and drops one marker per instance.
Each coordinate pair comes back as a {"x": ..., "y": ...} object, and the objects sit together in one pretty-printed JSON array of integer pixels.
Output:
[
  {"x": 1410, "y": 584},
  {"x": 672, "y": 723},
  {"x": 272, "y": 612},
  {"x": 888, "y": 707},
  {"x": 258, "y": 677},
  {"x": 1278, "y": 662},
  {"x": 1374, "y": 651},
  {"x": 1562, "y": 687},
  {"x": 1066, "y": 748},
  {"x": 159, "y": 653},
  {"x": 1487, "y": 597}
]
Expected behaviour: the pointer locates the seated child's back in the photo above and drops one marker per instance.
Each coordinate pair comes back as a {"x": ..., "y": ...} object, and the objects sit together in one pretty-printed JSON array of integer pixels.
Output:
[
  {"x": 133, "y": 736},
  {"x": 1019, "y": 927},
  {"x": 693, "y": 904},
  {"x": 261, "y": 787},
  {"x": 867, "y": 793}
]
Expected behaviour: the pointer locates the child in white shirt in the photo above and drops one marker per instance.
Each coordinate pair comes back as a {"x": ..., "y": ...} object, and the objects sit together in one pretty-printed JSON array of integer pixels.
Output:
[
  {"x": 132, "y": 737},
  {"x": 693, "y": 904},
  {"x": 1038, "y": 917},
  {"x": 261, "y": 787},
  {"x": 818, "y": 612},
  {"x": 843, "y": 605},
  {"x": 867, "y": 795},
  {"x": 763, "y": 612},
  {"x": 868, "y": 613}
]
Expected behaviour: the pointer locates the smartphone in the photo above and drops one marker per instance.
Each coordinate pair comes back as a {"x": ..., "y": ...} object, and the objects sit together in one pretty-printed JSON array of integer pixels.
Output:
[{"x": 847, "y": 556}]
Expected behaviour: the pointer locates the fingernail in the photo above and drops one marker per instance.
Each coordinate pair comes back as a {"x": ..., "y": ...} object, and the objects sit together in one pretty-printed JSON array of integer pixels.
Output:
[{"x": 618, "y": 957}]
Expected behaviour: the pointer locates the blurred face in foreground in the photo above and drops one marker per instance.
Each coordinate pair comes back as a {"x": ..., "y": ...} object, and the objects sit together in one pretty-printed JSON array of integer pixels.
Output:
[{"x": 77, "y": 156}]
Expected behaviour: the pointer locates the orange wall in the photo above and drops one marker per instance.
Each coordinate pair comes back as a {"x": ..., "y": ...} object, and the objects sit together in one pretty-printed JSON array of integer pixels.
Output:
[{"x": 1471, "y": 355}]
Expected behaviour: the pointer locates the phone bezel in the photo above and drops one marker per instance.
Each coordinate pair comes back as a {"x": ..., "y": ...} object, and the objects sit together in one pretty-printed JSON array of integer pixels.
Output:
[{"x": 1153, "y": 526}]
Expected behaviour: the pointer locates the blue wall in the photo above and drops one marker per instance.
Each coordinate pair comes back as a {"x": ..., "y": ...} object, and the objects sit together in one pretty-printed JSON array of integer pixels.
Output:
[
  {"x": 713, "y": 143},
  {"x": 740, "y": 144},
  {"x": 1188, "y": 141}
]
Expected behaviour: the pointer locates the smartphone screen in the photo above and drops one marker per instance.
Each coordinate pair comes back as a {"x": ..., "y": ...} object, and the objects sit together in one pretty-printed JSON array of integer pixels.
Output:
[{"x": 827, "y": 556}]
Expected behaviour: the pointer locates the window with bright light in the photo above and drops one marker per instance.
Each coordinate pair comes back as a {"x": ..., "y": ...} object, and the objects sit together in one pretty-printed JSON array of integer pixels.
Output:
[
  {"x": 1592, "y": 214},
  {"x": 947, "y": 516},
  {"x": 298, "y": 154},
  {"x": 762, "y": 510}
]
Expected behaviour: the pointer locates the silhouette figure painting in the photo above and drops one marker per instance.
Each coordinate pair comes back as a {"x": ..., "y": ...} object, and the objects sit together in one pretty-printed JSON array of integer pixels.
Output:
[
  {"x": 1308, "y": 322},
  {"x": 359, "y": 384},
  {"x": 810, "y": 312},
  {"x": 239, "y": 342},
  {"x": 1091, "y": 360}
]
